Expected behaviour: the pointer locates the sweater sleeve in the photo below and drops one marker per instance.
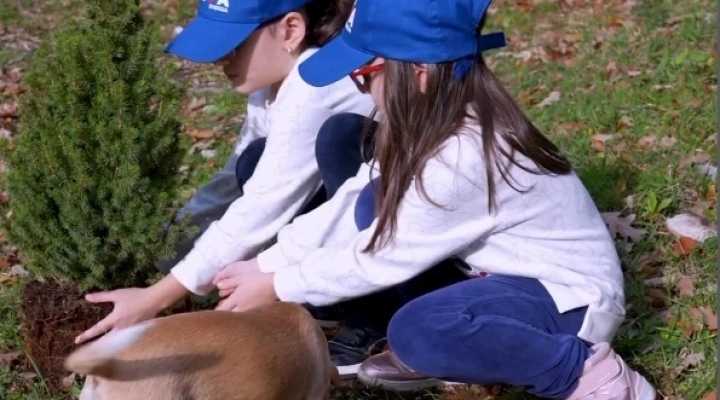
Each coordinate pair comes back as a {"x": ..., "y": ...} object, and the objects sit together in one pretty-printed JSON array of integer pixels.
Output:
[
  {"x": 283, "y": 181},
  {"x": 426, "y": 234},
  {"x": 331, "y": 224}
]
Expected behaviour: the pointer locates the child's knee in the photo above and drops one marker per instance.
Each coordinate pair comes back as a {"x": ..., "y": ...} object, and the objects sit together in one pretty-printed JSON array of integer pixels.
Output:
[
  {"x": 365, "y": 205},
  {"x": 419, "y": 328},
  {"x": 337, "y": 131}
]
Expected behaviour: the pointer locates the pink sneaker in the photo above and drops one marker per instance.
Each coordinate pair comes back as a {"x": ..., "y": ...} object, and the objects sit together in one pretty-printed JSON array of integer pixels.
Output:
[{"x": 607, "y": 377}]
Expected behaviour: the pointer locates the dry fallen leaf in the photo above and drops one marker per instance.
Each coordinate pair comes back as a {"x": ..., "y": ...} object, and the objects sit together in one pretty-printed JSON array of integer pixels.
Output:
[
  {"x": 647, "y": 141},
  {"x": 710, "y": 396},
  {"x": 691, "y": 226},
  {"x": 697, "y": 158},
  {"x": 611, "y": 70},
  {"x": 198, "y": 134},
  {"x": 28, "y": 376},
  {"x": 712, "y": 194},
  {"x": 598, "y": 141},
  {"x": 196, "y": 103},
  {"x": 650, "y": 259},
  {"x": 667, "y": 141},
  {"x": 685, "y": 286},
  {"x": 687, "y": 327},
  {"x": 710, "y": 318},
  {"x": 8, "y": 358},
  {"x": 622, "y": 226},
  {"x": 553, "y": 97},
  {"x": 706, "y": 316},
  {"x": 690, "y": 360},
  {"x": 9, "y": 110},
  {"x": 625, "y": 121},
  {"x": 684, "y": 246},
  {"x": 7, "y": 279}
]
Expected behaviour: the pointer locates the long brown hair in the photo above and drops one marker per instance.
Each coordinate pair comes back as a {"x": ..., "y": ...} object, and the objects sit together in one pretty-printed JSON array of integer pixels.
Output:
[{"x": 416, "y": 124}]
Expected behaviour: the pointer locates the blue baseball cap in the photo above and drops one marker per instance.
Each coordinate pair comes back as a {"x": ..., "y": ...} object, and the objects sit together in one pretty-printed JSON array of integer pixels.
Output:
[
  {"x": 222, "y": 25},
  {"x": 422, "y": 31}
]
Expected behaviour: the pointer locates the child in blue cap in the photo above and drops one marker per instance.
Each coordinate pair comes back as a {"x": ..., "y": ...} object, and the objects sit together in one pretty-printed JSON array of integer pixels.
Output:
[
  {"x": 275, "y": 175},
  {"x": 459, "y": 173}
]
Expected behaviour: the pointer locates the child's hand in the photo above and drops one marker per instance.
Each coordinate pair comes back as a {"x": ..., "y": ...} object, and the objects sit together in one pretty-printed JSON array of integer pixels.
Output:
[
  {"x": 230, "y": 277},
  {"x": 132, "y": 305},
  {"x": 244, "y": 286}
]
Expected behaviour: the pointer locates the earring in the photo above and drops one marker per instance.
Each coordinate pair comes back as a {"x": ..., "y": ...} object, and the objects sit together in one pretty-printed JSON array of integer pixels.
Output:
[{"x": 288, "y": 50}]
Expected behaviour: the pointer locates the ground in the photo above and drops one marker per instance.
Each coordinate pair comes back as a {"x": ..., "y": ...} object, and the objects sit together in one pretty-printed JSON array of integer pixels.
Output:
[{"x": 626, "y": 88}]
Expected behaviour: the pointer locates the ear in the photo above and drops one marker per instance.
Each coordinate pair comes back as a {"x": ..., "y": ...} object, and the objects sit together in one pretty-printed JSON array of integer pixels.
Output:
[
  {"x": 292, "y": 30},
  {"x": 98, "y": 357},
  {"x": 421, "y": 76}
]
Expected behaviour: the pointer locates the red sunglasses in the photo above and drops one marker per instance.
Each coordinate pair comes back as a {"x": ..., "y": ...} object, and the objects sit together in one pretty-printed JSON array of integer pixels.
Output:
[
  {"x": 367, "y": 70},
  {"x": 361, "y": 76}
]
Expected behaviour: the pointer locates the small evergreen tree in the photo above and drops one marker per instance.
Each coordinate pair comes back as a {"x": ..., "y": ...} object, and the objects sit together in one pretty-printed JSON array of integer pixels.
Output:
[{"x": 94, "y": 173}]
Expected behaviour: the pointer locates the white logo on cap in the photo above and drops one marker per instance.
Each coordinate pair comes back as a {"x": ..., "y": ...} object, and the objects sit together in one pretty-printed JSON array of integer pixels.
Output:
[
  {"x": 351, "y": 19},
  {"x": 219, "y": 5}
]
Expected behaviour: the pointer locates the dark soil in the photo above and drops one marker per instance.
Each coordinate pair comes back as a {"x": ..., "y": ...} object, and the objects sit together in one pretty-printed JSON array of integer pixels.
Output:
[{"x": 52, "y": 315}]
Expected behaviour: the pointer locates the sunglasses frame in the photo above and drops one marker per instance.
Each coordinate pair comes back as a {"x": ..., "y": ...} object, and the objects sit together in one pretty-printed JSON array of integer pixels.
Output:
[{"x": 364, "y": 73}]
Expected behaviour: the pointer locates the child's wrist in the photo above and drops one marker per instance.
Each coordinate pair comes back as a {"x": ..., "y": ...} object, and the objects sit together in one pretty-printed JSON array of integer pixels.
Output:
[{"x": 167, "y": 292}]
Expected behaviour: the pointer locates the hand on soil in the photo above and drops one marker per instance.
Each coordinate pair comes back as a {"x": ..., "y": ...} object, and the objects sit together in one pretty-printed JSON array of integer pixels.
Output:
[{"x": 131, "y": 306}]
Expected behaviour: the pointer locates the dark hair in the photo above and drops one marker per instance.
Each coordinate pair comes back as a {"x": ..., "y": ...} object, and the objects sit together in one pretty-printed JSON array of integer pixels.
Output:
[
  {"x": 325, "y": 19},
  {"x": 416, "y": 124}
]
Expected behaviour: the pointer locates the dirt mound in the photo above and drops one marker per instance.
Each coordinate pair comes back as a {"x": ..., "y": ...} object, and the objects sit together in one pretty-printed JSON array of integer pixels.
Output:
[{"x": 52, "y": 315}]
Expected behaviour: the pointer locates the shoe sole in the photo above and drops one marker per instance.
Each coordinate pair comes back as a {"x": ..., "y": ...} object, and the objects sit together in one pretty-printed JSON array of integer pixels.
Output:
[
  {"x": 348, "y": 372},
  {"x": 399, "y": 386}
]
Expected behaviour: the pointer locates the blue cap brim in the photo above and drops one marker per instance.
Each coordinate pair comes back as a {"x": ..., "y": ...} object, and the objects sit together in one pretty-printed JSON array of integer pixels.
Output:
[
  {"x": 205, "y": 40},
  {"x": 332, "y": 62}
]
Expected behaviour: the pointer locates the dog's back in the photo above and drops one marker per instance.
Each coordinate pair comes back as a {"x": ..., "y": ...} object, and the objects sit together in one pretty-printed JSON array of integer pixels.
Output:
[{"x": 273, "y": 352}]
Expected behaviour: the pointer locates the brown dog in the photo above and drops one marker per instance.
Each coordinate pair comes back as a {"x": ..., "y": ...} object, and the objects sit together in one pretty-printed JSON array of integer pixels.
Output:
[{"x": 273, "y": 352}]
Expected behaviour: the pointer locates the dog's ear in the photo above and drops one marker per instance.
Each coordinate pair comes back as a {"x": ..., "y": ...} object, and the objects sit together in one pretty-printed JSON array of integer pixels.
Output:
[{"x": 98, "y": 358}]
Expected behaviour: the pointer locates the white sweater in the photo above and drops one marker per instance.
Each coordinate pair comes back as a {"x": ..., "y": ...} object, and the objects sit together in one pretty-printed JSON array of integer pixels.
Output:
[
  {"x": 553, "y": 232},
  {"x": 284, "y": 180}
]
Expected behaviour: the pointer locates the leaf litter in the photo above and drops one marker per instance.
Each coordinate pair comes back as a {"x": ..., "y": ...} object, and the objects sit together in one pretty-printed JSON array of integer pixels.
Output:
[{"x": 622, "y": 226}]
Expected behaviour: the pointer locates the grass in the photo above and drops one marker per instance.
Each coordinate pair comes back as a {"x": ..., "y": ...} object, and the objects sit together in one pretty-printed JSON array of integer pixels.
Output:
[{"x": 629, "y": 70}]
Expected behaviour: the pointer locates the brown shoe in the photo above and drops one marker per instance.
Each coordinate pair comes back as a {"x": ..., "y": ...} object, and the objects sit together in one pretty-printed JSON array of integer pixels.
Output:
[{"x": 388, "y": 372}]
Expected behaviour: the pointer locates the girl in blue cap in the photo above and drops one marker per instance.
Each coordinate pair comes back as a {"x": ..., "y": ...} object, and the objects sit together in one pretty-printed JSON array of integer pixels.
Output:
[
  {"x": 461, "y": 174},
  {"x": 259, "y": 45}
]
